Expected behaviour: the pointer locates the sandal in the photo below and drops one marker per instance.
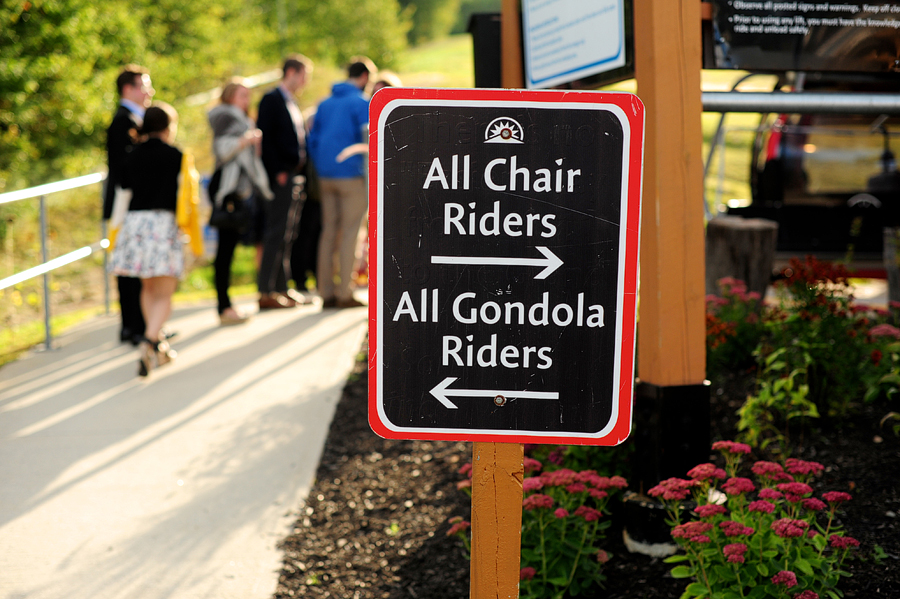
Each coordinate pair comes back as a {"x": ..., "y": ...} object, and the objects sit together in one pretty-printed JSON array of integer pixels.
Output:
[
  {"x": 148, "y": 358},
  {"x": 164, "y": 354}
]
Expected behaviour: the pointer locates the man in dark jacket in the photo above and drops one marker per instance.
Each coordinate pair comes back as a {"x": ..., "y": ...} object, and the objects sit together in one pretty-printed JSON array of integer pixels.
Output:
[
  {"x": 135, "y": 93},
  {"x": 284, "y": 156}
]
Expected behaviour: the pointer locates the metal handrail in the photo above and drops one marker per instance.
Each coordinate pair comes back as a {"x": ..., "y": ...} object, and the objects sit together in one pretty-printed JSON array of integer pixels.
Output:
[{"x": 42, "y": 191}]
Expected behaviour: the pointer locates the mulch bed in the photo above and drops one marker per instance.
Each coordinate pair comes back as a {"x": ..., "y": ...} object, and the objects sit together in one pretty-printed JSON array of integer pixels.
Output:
[{"x": 375, "y": 523}]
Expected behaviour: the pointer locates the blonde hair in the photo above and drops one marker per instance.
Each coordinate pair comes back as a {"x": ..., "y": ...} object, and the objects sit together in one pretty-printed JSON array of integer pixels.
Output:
[{"x": 231, "y": 88}]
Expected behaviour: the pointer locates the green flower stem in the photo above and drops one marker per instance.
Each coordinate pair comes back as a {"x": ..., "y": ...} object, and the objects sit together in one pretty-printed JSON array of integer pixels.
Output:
[
  {"x": 541, "y": 527},
  {"x": 584, "y": 536},
  {"x": 737, "y": 573},
  {"x": 699, "y": 556}
]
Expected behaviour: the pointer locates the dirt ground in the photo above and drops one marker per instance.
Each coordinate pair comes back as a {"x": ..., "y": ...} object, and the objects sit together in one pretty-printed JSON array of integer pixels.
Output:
[{"x": 376, "y": 520}]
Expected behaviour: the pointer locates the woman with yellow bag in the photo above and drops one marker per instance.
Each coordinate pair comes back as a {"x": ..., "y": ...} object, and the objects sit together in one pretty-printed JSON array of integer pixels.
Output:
[{"x": 149, "y": 245}]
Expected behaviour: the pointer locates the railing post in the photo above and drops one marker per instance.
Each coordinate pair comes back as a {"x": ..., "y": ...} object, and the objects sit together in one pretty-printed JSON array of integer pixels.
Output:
[
  {"x": 103, "y": 235},
  {"x": 48, "y": 341}
]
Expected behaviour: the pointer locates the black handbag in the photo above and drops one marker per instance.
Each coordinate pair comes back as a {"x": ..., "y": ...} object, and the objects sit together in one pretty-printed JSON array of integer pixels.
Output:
[{"x": 234, "y": 212}]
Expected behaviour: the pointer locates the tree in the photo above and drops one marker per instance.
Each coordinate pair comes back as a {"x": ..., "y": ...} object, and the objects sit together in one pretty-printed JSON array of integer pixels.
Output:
[{"x": 431, "y": 19}]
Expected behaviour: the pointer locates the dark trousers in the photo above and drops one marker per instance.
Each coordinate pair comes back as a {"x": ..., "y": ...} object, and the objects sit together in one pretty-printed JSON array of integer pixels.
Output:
[
  {"x": 304, "y": 255},
  {"x": 282, "y": 216},
  {"x": 130, "y": 305},
  {"x": 228, "y": 240}
]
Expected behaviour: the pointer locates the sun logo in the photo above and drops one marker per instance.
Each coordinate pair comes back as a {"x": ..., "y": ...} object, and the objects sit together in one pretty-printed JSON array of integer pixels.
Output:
[{"x": 504, "y": 130}]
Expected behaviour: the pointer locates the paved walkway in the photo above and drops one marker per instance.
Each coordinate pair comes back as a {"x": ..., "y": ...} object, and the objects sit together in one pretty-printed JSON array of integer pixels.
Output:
[{"x": 179, "y": 486}]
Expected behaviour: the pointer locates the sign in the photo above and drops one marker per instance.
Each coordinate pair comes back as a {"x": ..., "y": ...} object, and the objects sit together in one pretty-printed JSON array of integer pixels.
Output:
[
  {"x": 806, "y": 36},
  {"x": 503, "y": 255},
  {"x": 567, "y": 40}
]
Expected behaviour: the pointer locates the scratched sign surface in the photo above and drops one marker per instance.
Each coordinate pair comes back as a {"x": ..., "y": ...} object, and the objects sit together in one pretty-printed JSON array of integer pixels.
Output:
[{"x": 503, "y": 256}]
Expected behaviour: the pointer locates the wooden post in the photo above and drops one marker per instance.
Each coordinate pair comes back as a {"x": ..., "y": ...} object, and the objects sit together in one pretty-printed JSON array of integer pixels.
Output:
[
  {"x": 671, "y": 328},
  {"x": 497, "y": 473},
  {"x": 497, "y": 468},
  {"x": 511, "y": 73}
]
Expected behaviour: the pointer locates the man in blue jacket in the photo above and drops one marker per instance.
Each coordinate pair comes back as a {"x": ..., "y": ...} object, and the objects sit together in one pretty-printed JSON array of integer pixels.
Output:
[{"x": 341, "y": 120}]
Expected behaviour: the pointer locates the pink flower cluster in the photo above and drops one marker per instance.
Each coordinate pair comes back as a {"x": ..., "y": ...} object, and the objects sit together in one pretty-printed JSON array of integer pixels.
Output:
[
  {"x": 770, "y": 470},
  {"x": 731, "y": 447},
  {"x": 785, "y": 578},
  {"x": 532, "y": 465},
  {"x": 794, "y": 492},
  {"x": 459, "y": 525},
  {"x": 707, "y": 511},
  {"x": 836, "y": 497},
  {"x": 692, "y": 531},
  {"x": 738, "y": 486},
  {"x": 588, "y": 513},
  {"x": 807, "y": 594},
  {"x": 770, "y": 494},
  {"x": 734, "y": 552},
  {"x": 788, "y": 527},
  {"x": 761, "y": 506},
  {"x": 803, "y": 468},
  {"x": 527, "y": 573},
  {"x": 706, "y": 471},
  {"x": 735, "y": 529},
  {"x": 884, "y": 330},
  {"x": 673, "y": 489},
  {"x": 537, "y": 501},
  {"x": 813, "y": 504},
  {"x": 839, "y": 542}
]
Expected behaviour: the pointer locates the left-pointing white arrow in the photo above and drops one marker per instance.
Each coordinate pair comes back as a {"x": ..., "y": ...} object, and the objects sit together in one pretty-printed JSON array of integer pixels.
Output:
[
  {"x": 550, "y": 261},
  {"x": 441, "y": 393}
]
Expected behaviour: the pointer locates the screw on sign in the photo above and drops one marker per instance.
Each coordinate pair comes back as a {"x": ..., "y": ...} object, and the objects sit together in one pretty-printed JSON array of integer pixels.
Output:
[{"x": 503, "y": 252}]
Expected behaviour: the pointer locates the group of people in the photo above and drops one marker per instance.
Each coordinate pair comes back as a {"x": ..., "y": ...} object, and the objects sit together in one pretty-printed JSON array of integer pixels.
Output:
[{"x": 272, "y": 165}]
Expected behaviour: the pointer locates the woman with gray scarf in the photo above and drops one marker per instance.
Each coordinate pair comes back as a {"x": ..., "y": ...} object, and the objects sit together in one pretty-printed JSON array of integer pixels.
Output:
[{"x": 236, "y": 146}]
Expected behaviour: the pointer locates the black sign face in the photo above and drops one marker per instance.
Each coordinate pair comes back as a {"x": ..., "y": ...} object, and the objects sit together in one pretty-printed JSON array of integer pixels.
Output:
[
  {"x": 505, "y": 251},
  {"x": 764, "y": 35}
]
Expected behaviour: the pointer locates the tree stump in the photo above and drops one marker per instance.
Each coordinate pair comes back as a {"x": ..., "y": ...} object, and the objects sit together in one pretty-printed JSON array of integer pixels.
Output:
[
  {"x": 743, "y": 248},
  {"x": 891, "y": 264}
]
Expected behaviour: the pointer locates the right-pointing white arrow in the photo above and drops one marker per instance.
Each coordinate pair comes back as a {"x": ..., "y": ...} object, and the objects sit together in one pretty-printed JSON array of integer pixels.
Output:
[
  {"x": 441, "y": 392},
  {"x": 550, "y": 261}
]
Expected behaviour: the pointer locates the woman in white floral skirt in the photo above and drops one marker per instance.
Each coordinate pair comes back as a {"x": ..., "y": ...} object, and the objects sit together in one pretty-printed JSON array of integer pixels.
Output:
[{"x": 148, "y": 246}]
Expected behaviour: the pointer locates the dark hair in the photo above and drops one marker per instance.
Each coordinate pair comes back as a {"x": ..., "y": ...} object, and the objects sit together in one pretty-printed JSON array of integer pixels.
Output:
[
  {"x": 360, "y": 65},
  {"x": 296, "y": 62},
  {"x": 128, "y": 75},
  {"x": 158, "y": 118}
]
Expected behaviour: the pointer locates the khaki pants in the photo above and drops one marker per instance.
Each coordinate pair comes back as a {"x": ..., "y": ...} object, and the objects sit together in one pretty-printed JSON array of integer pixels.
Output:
[{"x": 343, "y": 208}]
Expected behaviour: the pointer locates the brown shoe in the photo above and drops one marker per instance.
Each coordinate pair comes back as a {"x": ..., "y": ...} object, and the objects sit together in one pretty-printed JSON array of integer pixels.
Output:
[
  {"x": 350, "y": 302},
  {"x": 275, "y": 301},
  {"x": 299, "y": 298}
]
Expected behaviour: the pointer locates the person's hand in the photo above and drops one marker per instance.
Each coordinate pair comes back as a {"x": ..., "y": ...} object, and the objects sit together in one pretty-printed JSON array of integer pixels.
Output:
[{"x": 281, "y": 178}]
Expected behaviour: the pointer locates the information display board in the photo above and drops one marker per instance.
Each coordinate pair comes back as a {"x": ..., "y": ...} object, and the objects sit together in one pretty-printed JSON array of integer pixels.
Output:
[
  {"x": 503, "y": 233},
  {"x": 763, "y": 35},
  {"x": 567, "y": 40}
]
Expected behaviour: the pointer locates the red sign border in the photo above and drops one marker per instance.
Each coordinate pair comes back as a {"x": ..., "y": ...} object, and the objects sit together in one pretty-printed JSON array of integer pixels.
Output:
[{"x": 633, "y": 109}]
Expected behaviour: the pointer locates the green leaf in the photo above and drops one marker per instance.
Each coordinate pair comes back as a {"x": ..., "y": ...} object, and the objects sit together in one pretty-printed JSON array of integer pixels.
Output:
[
  {"x": 769, "y": 554},
  {"x": 697, "y": 589},
  {"x": 832, "y": 594},
  {"x": 559, "y": 581},
  {"x": 682, "y": 572},
  {"x": 803, "y": 566},
  {"x": 761, "y": 568},
  {"x": 674, "y": 559},
  {"x": 725, "y": 573}
]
